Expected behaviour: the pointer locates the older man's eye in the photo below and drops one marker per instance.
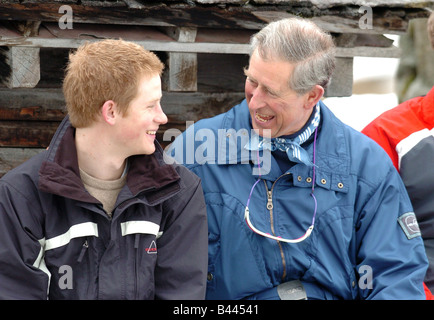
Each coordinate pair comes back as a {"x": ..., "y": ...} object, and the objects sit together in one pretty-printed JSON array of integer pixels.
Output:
[
  {"x": 252, "y": 82},
  {"x": 272, "y": 94}
]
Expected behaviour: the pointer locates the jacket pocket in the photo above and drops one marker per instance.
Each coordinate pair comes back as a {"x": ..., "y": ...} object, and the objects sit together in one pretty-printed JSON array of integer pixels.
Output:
[{"x": 143, "y": 264}]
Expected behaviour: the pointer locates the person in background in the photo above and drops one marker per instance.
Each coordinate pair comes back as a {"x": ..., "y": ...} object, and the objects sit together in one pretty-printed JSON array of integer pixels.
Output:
[
  {"x": 414, "y": 76},
  {"x": 406, "y": 133},
  {"x": 300, "y": 205},
  {"x": 100, "y": 215}
]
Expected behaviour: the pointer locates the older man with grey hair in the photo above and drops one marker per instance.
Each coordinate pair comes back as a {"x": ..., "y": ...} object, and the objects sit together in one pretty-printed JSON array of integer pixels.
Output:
[{"x": 299, "y": 204}]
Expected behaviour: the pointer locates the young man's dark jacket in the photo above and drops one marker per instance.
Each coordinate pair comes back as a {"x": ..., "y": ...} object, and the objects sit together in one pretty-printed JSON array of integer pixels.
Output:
[{"x": 57, "y": 242}]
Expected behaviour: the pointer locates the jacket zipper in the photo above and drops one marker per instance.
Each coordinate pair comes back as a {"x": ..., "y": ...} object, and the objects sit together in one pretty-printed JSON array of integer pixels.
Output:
[
  {"x": 270, "y": 209},
  {"x": 83, "y": 251},
  {"x": 136, "y": 266}
]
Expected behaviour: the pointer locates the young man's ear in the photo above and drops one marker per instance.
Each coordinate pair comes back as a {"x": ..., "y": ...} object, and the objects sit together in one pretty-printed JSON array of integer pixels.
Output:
[
  {"x": 109, "y": 111},
  {"x": 313, "y": 96}
]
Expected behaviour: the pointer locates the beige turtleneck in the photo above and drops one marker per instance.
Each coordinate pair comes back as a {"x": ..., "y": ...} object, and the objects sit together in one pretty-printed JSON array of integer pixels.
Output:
[{"x": 106, "y": 191}]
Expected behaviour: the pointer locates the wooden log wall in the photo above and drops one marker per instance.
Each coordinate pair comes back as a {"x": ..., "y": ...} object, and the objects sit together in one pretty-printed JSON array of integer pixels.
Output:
[{"x": 204, "y": 44}]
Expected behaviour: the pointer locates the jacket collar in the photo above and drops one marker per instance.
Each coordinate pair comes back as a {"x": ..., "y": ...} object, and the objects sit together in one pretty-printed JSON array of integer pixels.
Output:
[
  {"x": 332, "y": 155},
  {"x": 59, "y": 172}
]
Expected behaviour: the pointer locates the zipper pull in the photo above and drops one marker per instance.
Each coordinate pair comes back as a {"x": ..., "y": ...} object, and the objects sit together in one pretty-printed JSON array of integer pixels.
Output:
[
  {"x": 269, "y": 201},
  {"x": 83, "y": 251},
  {"x": 136, "y": 241}
]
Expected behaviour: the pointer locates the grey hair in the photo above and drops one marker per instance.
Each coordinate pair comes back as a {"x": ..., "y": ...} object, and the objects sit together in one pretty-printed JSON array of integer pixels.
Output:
[{"x": 301, "y": 43}]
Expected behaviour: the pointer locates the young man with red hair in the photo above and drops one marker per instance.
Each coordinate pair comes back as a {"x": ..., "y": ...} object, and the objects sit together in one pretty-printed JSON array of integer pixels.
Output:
[{"x": 100, "y": 215}]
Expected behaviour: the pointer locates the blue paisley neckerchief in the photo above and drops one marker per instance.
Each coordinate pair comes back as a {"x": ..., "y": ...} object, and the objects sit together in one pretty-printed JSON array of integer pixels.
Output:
[{"x": 292, "y": 147}]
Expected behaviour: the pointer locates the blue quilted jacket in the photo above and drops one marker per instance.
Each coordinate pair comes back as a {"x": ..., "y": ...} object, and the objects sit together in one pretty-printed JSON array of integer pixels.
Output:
[{"x": 365, "y": 243}]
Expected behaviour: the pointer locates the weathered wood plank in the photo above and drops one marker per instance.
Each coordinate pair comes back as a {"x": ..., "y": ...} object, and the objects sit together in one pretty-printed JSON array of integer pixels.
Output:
[
  {"x": 27, "y": 28},
  {"x": 182, "y": 67},
  {"x": 31, "y": 113},
  {"x": 218, "y": 14},
  {"x": 194, "y": 107},
  {"x": 24, "y": 98},
  {"x": 323, "y": 4},
  {"x": 197, "y": 105},
  {"x": 19, "y": 67},
  {"x": 167, "y": 46},
  {"x": 181, "y": 72},
  {"x": 196, "y": 47},
  {"x": 350, "y": 40},
  {"x": 26, "y": 133},
  {"x": 390, "y": 52},
  {"x": 318, "y": 3},
  {"x": 22, "y": 124},
  {"x": 221, "y": 73},
  {"x": 48, "y": 105},
  {"x": 12, "y": 157}
]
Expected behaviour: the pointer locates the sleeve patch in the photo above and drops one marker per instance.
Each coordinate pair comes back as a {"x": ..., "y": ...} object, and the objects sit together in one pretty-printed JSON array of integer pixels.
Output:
[{"x": 409, "y": 225}]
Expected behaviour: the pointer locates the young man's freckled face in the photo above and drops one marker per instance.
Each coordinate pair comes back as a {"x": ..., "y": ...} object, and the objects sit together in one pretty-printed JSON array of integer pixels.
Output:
[{"x": 140, "y": 124}]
